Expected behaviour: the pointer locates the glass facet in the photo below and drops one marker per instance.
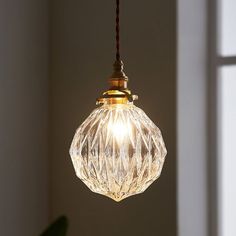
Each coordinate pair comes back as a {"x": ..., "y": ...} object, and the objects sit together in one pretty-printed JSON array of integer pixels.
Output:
[{"x": 118, "y": 151}]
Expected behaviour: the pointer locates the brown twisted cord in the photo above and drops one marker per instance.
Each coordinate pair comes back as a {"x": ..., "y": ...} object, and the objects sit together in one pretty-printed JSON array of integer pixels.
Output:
[
  {"x": 118, "y": 30},
  {"x": 118, "y": 65}
]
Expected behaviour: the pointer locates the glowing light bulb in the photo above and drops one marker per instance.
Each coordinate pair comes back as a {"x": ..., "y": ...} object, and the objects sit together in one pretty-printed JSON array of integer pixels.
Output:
[
  {"x": 118, "y": 151},
  {"x": 119, "y": 129}
]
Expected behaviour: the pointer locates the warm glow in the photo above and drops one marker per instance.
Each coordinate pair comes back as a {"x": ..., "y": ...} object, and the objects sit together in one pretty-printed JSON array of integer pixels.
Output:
[
  {"x": 118, "y": 151},
  {"x": 119, "y": 129}
]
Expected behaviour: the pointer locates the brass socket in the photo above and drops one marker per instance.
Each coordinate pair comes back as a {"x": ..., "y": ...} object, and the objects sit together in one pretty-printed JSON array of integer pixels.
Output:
[
  {"x": 119, "y": 84},
  {"x": 118, "y": 93}
]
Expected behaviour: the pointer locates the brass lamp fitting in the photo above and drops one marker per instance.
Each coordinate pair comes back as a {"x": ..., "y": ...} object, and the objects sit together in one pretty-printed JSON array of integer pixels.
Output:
[{"x": 118, "y": 93}]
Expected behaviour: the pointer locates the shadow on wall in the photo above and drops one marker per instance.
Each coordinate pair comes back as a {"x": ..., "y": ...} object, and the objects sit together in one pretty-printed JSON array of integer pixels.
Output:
[{"x": 57, "y": 228}]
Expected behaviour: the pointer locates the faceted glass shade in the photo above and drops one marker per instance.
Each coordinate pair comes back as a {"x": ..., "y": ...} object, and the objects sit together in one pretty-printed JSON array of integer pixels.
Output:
[{"x": 118, "y": 151}]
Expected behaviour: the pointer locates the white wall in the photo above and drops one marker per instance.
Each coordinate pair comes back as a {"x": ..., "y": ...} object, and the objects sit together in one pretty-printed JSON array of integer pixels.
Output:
[
  {"x": 23, "y": 117},
  {"x": 192, "y": 120}
]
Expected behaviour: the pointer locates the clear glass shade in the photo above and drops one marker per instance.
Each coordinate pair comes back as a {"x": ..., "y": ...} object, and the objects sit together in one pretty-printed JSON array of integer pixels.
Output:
[{"x": 118, "y": 151}]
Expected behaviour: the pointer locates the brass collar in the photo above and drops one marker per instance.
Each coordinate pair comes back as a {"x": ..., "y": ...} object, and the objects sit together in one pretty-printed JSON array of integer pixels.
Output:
[{"x": 118, "y": 93}]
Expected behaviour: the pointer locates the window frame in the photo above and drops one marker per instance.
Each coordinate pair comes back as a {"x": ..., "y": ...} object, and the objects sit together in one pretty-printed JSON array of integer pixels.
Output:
[{"x": 216, "y": 61}]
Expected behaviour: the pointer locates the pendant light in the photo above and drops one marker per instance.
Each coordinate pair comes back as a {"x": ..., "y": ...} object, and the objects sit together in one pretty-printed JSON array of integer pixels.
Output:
[{"x": 118, "y": 151}]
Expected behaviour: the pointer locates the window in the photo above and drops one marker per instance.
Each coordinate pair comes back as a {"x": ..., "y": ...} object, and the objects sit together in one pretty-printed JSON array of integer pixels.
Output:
[
  {"x": 226, "y": 116},
  {"x": 227, "y": 151}
]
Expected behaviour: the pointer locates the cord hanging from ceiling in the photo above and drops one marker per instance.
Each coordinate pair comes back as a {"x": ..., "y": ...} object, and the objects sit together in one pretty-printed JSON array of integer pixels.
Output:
[{"x": 118, "y": 30}]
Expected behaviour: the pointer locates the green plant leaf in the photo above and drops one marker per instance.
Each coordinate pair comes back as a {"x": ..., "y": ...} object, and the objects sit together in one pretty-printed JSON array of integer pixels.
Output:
[{"x": 57, "y": 228}]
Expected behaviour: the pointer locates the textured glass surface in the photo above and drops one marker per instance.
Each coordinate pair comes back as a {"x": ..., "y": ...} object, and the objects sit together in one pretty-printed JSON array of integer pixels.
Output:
[{"x": 118, "y": 151}]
